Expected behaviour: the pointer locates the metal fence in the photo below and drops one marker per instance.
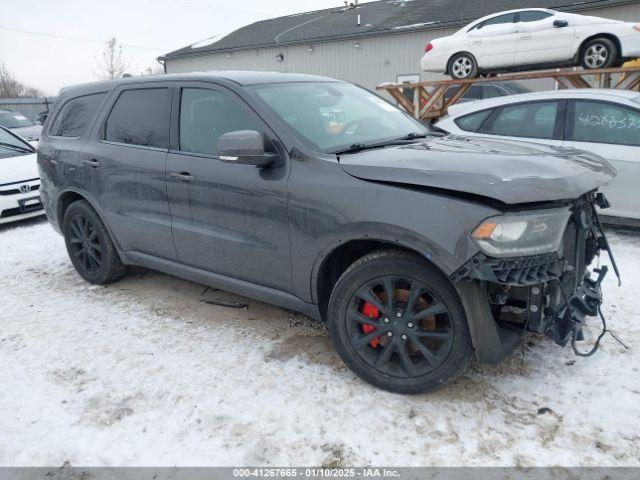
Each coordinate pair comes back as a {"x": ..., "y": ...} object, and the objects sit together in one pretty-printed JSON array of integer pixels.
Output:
[{"x": 29, "y": 107}]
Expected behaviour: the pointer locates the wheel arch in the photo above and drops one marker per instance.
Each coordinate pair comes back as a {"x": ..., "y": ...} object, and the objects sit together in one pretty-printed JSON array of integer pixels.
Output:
[
  {"x": 609, "y": 36},
  {"x": 72, "y": 195},
  {"x": 451, "y": 57},
  {"x": 332, "y": 264}
]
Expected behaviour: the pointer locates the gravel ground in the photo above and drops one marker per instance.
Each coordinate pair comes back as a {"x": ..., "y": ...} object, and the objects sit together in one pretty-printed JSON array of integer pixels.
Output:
[{"x": 144, "y": 373}]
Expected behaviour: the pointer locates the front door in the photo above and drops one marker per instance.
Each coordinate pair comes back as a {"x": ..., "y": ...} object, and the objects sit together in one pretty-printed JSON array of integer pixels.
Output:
[
  {"x": 228, "y": 219},
  {"x": 539, "y": 41}
]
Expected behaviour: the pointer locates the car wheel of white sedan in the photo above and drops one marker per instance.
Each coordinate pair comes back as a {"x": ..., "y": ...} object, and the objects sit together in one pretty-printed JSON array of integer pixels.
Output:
[
  {"x": 599, "y": 53},
  {"x": 463, "y": 65}
]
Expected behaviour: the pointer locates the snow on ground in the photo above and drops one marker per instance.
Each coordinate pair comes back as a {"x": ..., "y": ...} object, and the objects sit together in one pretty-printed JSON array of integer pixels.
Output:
[{"x": 142, "y": 372}]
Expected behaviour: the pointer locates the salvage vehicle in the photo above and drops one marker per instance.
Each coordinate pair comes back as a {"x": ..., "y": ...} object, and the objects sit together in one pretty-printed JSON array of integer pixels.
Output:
[
  {"x": 417, "y": 249},
  {"x": 19, "y": 181},
  {"x": 486, "y": 90},
  {"x": 532, "y": 38},
  {"x": 18, "y": 123},
  {"x": 602, "y": 121}
]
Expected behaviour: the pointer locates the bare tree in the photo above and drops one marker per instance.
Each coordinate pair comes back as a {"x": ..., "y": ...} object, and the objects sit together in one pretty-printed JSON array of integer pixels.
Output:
[
  {"x": 152, "y": 70},
  {"x": 112, "y": 65},
  {"x": 11, "y": 87}
]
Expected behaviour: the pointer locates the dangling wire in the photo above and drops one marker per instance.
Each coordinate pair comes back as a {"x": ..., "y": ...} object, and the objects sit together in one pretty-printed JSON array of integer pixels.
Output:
[{"x": 596, "y": 346}]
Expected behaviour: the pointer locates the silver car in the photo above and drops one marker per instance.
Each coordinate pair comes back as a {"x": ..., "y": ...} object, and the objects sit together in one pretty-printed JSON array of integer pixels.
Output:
[{"x": 601, "y": 121}]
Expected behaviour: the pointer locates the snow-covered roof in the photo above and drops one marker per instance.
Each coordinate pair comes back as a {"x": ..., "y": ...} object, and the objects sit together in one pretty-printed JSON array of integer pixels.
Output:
[{"x": 381, "y": 17}]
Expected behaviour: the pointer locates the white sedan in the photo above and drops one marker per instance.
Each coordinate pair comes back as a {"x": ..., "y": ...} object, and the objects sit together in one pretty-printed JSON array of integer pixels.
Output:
[
  {"x": 19, "y": 179},
  {"x": 532, "y": 38},
  {"x": 604, "y": 122}
]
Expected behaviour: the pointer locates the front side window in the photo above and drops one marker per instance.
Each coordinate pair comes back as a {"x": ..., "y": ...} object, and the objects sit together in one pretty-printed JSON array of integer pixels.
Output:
[
  {"x": 600, "y": 122},
  {"x": 333, "y": 116},
  {"x": 499, "y": 20},
  {"x": 533, "y": 16},
  {"x": 140, "y": 117},
  {"x": 14, "y": 120},
  {"x": 76, "y": 115},
  {"x": 207, "y": 114},
  {"x": 528, "y": 120},
  {"x": 473, "y": 121}
]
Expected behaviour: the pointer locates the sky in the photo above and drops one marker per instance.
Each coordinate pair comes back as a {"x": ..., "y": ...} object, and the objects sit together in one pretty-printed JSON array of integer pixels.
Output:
[{"x": 49, "y": 44}]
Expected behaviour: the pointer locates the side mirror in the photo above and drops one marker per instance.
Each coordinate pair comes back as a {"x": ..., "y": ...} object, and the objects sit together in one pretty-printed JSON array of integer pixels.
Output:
[
  {"x": 244, "y": 147},
  {"x": 560, "y": 23}
]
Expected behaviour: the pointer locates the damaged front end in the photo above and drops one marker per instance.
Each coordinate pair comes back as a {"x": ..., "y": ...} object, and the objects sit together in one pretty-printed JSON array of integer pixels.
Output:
[{"x": 534, "y": 270}]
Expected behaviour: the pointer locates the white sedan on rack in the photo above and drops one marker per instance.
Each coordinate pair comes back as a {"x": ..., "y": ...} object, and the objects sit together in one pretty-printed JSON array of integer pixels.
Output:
[
  {"x": 532, "y": 38},
  {"x": 19, "y": 179},
  {"x": 604, "y": 122}
]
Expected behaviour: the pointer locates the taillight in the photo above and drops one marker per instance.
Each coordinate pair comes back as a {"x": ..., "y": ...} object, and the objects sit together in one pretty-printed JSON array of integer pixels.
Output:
[
  {"x": 428, "y": 48},
  {"x": 637, "y": 28}
]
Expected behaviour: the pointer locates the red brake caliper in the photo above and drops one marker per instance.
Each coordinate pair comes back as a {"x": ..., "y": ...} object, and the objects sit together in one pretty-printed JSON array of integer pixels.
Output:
[{"x": 371, "y": 312}]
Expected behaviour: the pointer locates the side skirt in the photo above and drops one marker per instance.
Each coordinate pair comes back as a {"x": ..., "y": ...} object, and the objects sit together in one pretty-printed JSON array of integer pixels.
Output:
[{"x": 240, "y": 287}]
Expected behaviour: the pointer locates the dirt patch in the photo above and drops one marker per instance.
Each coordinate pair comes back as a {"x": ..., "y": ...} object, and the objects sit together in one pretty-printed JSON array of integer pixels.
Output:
[{"x": 314, "y": 349}]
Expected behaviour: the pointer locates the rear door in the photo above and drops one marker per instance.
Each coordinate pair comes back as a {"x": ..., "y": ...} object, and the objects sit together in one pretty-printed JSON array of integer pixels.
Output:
[
  {"x": 539, "y": 41},
  {"x": 493, "y": 42},
  {"x": 227, "y": 218},
  {"x": 612, "y": 131},
  {"x": 538, "y": 121},
  {"x": 123, "y": 166}
]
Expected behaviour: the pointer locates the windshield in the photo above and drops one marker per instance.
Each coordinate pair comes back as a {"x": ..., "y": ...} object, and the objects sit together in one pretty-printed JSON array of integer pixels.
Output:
[
  {"x": 12, "y": 143},
  {"x": 14, "y": 120},
  {"x": 331, "y": 117}
]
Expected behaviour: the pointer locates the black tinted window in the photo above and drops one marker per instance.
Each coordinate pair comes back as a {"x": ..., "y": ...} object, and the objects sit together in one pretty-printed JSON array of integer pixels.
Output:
[
  {"x": 473, "y": 121},
  {"x": 533, "y": 16},
  {"x": 207, "y": 114},
  {"x": 76, "y": 116},
  {"x": 140, "y": 117},
  {"x": 530, "y": 120},
  {"x": 606, "y": 123}
]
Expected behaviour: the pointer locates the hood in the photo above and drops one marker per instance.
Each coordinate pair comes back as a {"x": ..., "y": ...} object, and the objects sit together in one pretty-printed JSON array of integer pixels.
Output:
[
  {"x": 18, "y": 168},
  {"x": 29, "y": 133},
  {"x": 510, "y": 172}
]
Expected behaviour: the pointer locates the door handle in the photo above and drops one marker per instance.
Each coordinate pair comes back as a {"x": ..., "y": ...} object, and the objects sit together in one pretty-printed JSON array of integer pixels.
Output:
[
  {"x": 91, "y": 163},
  {"x": 477, "y": 42},
  {"x": 183, "y": 176},
  {"x": 526, "y": 37}
]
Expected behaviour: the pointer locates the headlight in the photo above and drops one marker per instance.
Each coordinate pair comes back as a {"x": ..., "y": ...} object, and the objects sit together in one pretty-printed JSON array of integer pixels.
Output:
[{"x": 523, "y": 233}]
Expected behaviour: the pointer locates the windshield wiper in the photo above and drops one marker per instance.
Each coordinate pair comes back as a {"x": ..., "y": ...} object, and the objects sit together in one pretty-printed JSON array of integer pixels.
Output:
[
  {"x": 15, "y": 147},
  {"x": 358, "y": 147}
]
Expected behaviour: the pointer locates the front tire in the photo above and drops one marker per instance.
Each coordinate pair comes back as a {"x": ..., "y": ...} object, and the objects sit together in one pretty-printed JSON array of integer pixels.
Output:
[
  {"x": 89, "y": 245},
  {"x": 599, "y": 53},
  {"x": 398, "y": 323},
  {"x": 463, "y": 65}
]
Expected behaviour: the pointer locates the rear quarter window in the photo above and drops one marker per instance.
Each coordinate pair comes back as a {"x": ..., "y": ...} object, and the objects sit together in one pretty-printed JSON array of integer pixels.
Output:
[
  {"x": 473, "y": 121},
  {"x": 76, "y": 115}
]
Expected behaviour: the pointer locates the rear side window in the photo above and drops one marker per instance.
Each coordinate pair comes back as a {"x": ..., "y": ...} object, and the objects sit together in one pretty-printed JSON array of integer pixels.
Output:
[
  {"x": 533, "y": 16},
  {"x": 473, "y": 121},
  {"x": 76, "y": 116},
  {"x": 599, "y": 122},
  {"x": 207, "y": 114},
  {"x": 499, "y": 20},
  {"x": 528, "y": 120},
  {"x": 140, "y": 117}
]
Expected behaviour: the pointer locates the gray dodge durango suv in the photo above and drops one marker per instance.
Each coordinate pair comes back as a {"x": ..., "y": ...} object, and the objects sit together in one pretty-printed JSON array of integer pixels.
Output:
[{"x": 419, "y": 250}]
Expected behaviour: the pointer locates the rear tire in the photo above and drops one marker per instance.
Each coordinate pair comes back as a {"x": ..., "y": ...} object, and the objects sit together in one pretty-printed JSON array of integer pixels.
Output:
[
  {"x": 418, "y": 342},
  {"x": 462, "y": 65},
  {"x": 599, "y": 53},
  {"x": 89, "y": 245}
]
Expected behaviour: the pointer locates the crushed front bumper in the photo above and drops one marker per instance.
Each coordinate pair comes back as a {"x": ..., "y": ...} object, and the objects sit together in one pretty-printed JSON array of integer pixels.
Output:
[{"x": 551, "y": 294}]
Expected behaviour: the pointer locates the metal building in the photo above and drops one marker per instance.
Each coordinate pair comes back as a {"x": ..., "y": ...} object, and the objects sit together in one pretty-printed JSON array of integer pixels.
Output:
[{"x": 369, "y": 43}]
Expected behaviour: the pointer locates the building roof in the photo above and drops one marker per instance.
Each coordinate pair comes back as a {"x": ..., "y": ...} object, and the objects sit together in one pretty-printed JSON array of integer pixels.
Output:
[{"x": 381, "y": 17}]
